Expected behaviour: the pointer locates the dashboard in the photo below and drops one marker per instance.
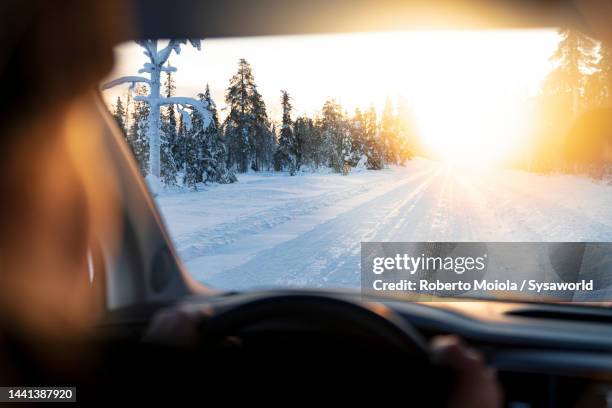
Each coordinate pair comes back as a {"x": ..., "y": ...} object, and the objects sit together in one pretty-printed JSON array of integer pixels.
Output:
[{"x": 545, "y": 354}]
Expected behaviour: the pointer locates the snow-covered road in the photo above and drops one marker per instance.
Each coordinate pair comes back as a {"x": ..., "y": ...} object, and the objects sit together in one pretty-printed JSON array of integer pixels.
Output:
[{"x": 270, "y": 230}]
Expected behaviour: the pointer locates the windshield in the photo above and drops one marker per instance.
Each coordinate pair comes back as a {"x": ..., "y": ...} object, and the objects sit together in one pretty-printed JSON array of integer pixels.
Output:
[{"x": 274, "y": 159}]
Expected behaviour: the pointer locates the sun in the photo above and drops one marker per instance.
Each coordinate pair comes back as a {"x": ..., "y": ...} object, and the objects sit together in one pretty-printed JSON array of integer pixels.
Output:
[
  {"x": 476, "y": 110},
  {"x": 471, "y": 128}
]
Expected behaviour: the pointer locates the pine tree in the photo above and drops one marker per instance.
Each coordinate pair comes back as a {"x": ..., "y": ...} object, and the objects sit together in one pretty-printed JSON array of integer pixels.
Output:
[
  {"x": 605, "y": 74},
  {"x": 137, "y": 134},
  {"x": 285, "y": 155},
  {"x": 374, "y": 146},
  {"x": 598, "y": 88},
  {"x": 574, "y": 58},
  {"x": 270, "y": 145},
  {"x": 358, "y": 137},
  {"x": 306, "y": 142},
  {"x": 206, "y": 160},
  {"x": 317, "y": 152},
  {"x": 214, "y": 163},
  {"x": 172, "y": 160},
  {"x": 169, "y": 124},
  {"x": 238, "y": 129},
  {"x": 192, "y": 142},
  {"x": 262, "y": 135},
  {"x": 406, "y": 139},
  {"x": 588, "y": 137},
  {"x": 247, "y": 127},
  {"x": 119, "y": 115},
  {"x": 388, "y": 133},
  {"x": 169, "y": 168},
  {"x": 562, "y": 97},
  {"x": 336, "y": 136}
]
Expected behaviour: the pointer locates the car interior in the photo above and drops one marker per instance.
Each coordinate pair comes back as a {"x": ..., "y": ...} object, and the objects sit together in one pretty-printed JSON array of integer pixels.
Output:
[{"x": 312, "y": 345}]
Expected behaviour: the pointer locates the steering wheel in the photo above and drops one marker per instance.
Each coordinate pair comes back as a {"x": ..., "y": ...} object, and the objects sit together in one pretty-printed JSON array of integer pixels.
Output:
[{"x": 373, "y": 323}]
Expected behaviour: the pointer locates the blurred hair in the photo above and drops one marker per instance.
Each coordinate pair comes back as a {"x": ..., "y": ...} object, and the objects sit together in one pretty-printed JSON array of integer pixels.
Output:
[
  {"x": 52, "y": 51},
  {"x": 52, "y": 54}
]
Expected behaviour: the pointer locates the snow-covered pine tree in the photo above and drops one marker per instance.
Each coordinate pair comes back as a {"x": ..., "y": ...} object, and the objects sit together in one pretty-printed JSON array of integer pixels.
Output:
[
  {"x": 119, "y": 115},
  {"x": 214, "y": 163},
  {"x": 247, "y": 128},
  {"x": 137, "y": 134},
  {"x": 270, "y": 145},
  {"x": 260, "y": 140},
  {"x": 274, "y": 146},
  {"x": 406, "y": 139},
  {"x": 169, "y": 168},
  {"x": 562, "y": 98},
  {"x": 388, "y": 133},
  {"x": 171, "y": 157},
  {"x": 598, "y": 86},
  {"x": 154, "y": 67},
  {"x": 374, "y": 146},
  {"x": 605, "y": 74},
  {"x": 357, "y": 129},
  {"x": 285, "y": 155},
  {"x": 238, "y": 130},
  {"x": 306, "y": 143},
  {"x": 206, "y": 160},
  {"x": 191, "y": 141},
  {"x": 574, "y": 58},
  {"x": 336, "y": 136}
]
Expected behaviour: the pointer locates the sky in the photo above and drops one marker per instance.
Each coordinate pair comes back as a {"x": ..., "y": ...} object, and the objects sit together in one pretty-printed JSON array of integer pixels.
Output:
[{"x": 468, "y": 83}]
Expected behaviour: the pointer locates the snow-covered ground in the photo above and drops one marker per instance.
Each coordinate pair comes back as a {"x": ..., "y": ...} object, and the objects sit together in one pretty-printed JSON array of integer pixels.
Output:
[{"x": 273, "y": 229}]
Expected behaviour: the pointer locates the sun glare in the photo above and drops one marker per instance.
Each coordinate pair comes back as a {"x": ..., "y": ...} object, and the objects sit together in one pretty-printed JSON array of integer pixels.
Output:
[
  {"x": 468, "y": 92},
  {"x": 476, "y": 111},
  {"x": 469, "y": 125}
]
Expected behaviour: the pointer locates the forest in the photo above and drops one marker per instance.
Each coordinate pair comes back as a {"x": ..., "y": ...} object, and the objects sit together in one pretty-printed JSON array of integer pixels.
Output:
[
  {"x": 572, "y": 114},
  {"x": 184, "y": 142},
  {"x": 194, "y": 150}
]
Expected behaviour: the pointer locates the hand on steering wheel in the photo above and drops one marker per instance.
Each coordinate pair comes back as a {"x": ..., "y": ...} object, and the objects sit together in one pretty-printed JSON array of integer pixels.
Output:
[{"x": 476, "y": 384}]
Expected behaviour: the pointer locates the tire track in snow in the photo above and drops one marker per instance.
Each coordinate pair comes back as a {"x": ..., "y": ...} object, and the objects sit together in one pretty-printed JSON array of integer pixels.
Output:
[
  {"x": 331, "y": 250},
  {"x": 347, "y": 257},
  {"x": 500, "y": 205},
  {"x": 209, "y": 241},
  {"x": 483, "y": 210},
  {"x": 556, "y": 222},
  {"x": 431, "y": 224}
]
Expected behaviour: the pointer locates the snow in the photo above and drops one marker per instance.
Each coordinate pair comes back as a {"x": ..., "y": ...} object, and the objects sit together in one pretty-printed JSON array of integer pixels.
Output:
[
  {"x": 276, "y": 230},
  {"x": 130, "y": 79},
  {"x": 157, "y": 59},
  {"x": 154, "y": 184}
]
